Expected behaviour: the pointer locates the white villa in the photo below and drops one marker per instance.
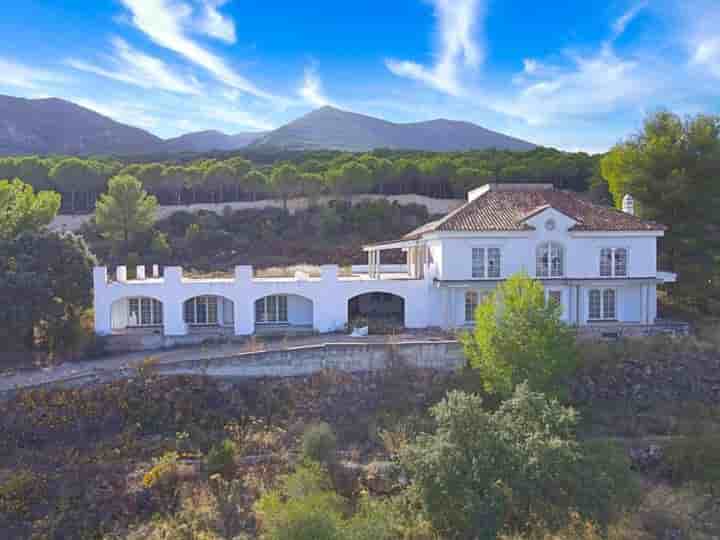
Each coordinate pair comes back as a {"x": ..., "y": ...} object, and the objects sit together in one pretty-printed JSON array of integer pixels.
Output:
[{"x": 597, "y": 262}]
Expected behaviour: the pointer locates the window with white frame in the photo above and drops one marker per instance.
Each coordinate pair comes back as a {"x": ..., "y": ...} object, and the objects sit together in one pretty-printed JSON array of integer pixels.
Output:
[
  {"x": 201, "y": 310},
  {"x": 272, "y": 309},
  {"x": 550, "y": 260},
  {"x": 486, "y": 262},
  {"x": 478, "y": 262},
  {"x": 613, "y": 262},
  {"x": 472, "y": 300},
  {"x": 602, "y": 305},
  {"x": 144, "y": 312},
  {"x": 471, "y": 304}
]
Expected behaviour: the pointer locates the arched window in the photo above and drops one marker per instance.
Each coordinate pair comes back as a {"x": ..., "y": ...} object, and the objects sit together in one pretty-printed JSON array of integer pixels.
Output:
[
  {"x": 471, "y": 303},
  {"x": 550, "y": 260}
]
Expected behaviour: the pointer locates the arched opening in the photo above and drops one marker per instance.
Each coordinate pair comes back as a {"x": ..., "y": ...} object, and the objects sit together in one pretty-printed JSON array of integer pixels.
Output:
[
  {"x": 381, "y": 312},
  {"x": 283, "y": 314},
  {"x": 136, "y": 313},
  {"x": 209, "y": 313}
]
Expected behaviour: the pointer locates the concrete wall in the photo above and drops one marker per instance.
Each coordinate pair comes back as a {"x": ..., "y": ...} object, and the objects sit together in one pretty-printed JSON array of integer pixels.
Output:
[
  {"x": 441, "y": 355},
  {"x": 434, "y": 206}
]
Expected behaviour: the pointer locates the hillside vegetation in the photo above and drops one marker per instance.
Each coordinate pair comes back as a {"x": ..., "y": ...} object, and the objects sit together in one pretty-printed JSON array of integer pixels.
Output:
[
  {"x": 344, "y": 456},
  {"x": 258, "y": 174}
]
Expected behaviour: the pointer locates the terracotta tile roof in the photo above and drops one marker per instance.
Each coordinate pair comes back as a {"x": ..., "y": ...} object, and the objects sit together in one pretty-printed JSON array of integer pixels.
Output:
[{"x": 509, "y": 210}]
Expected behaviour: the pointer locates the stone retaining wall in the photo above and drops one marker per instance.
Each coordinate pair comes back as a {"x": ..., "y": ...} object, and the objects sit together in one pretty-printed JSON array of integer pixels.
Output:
[{"x": 300, "y": 361}]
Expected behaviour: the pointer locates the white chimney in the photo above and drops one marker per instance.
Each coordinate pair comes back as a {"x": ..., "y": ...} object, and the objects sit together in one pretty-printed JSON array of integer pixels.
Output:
[{"x": 628, "y": 205}]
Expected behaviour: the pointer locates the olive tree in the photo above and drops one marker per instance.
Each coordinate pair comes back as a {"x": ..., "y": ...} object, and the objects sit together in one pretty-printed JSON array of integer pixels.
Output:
[{"x": 485, "y": 473}]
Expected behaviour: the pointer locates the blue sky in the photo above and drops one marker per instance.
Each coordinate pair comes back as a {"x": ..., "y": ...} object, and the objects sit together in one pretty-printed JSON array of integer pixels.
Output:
[{"x": 574, "y": 75}]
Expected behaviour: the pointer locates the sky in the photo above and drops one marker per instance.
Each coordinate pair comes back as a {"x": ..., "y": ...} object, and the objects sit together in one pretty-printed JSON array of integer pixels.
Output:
[{"x": 575, "y": 75}]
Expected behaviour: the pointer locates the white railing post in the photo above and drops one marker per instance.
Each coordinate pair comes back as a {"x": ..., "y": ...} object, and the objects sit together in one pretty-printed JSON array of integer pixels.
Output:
[
  {"x": 244, "y": 306},
  {"x": 173, "y": 323},
  {"x": 101, "y": 306}
]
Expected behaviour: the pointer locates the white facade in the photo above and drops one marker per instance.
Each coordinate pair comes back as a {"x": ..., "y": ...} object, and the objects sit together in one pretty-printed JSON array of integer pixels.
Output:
[{"x": 600, "y": 278}]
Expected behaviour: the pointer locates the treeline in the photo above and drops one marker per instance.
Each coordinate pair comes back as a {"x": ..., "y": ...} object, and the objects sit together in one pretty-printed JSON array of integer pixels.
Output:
[{"x": 246, "y": 177}]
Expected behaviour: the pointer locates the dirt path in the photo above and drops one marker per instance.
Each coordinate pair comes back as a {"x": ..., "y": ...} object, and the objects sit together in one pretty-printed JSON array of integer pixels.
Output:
[{"x": 112, "y": 366}]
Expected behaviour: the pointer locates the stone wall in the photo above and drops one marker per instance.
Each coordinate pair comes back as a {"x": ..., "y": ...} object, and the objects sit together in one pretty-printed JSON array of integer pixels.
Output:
[
  {"x": 617, "y": 331},
  {"x": 673, "y": 370}
]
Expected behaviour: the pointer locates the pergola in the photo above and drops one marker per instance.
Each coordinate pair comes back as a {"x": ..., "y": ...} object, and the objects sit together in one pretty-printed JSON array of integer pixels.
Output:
[{"x": 416, "y": 257}]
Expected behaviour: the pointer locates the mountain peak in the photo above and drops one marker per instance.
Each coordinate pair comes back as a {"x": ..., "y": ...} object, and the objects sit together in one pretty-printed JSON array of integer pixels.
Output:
[
  {"x": 57, "y": 126},
  {"x": 331, "y": 128}
]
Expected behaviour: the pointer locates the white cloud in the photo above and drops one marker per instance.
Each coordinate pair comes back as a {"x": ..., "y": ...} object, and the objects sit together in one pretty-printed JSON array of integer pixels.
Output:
[
  {"x": 127, "y": 113},
  {"x": 706, "y": 54},
  {"x": 621, "y": 23},
  {"x": 167, "y": 23},
  {"x": 457, "y": 47},
  {"x": 22, "y": 76},
  {"x": 134, "y": 67},
  {"x": 214, "y": 24},
  {"x": 530, "y": 66},
  {"x": 236, "y": 117},
  {"x": 592, "y": 85},
  {"x": 311, "y": 90}
]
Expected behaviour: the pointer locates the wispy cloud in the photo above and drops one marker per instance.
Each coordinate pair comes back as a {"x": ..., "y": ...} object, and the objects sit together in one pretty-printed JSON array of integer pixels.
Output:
[
  {"x": 131, "y": 66},
  {"x": 706, "y": 54},
  {"x": 236, "y": 117},
  {"x": 22, "y": 76},
  {"x": 214, "y": 24},
  {"x": 621, "y": 23},
  {"x": 591, "y": 85},
  {"x": 168, "y": 23},
  {"x": 457, "y": 47},
  {"x": 125, "y": 112},
  {"x": 702, "y": 37},
  {"x": 312, "y": 90}
]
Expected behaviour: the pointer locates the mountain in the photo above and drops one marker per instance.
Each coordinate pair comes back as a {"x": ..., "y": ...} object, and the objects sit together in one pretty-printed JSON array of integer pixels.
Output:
[
  {"x": 206, "y": 141},
  {"x": 56, "y": 126},
  {"x": 331, "y": 128}
]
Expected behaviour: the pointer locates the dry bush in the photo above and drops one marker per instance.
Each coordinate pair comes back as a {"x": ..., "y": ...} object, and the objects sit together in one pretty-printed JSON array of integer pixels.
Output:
[
  {"x": 213, "y": 511},
  {"x": 578, "y": 529},
  {"x": 163, "y": 479},
  {"x": 21, "y": 490}
]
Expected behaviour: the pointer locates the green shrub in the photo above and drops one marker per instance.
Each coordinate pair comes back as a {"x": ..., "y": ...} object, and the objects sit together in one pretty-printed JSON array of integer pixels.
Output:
[
  {"x": 695, "y": 459},
  {"x": 303, "y": 507},
  {"x": 519, "y": 337},
  {"x": 319, "y": 443},
  {"x": 483, "y": 473},
  {"x": 221, "y": 458}
]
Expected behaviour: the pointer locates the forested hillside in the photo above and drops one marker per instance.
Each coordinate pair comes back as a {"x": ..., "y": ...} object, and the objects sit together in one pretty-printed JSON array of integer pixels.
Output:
[{"x": 257, "y": 174}]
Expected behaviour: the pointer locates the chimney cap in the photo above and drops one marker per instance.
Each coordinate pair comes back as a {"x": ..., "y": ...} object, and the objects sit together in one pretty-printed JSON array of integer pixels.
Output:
[{"x": 628, "y": 204}]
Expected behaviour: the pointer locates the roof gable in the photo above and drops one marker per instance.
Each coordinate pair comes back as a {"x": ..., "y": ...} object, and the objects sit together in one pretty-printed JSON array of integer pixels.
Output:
[{"x": 500, "y": 210}]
